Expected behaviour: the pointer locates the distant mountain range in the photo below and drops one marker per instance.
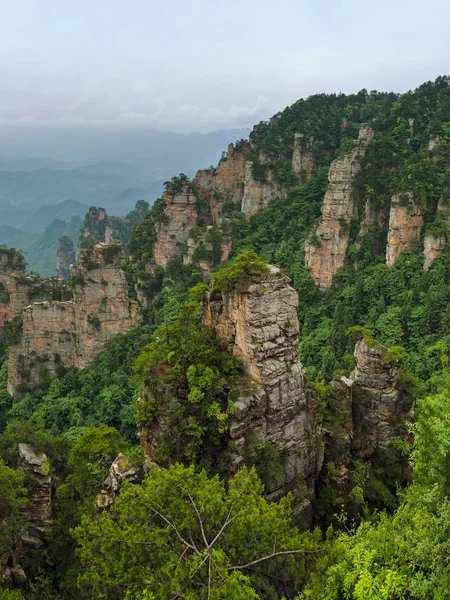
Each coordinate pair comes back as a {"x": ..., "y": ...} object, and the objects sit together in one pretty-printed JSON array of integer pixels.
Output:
[{"x": 54, "y": 173}]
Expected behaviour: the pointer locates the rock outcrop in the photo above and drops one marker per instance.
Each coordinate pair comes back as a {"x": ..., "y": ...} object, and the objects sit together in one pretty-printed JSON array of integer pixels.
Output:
[
  {"x": 258, "y": 324},
  {"x": 302, "y": 157},
  {"x": 374, "y": 422},
  {"x": 366, "y": 413},
  {"x": 38, "y": 515},
  {"x": 434, "y": 243},
  {"x": 326, "y": 247},
  {"x": 18, "y": 289},
  {"x": 172, "y": 232},
  {"x": 58, "y": 335},
  {"x": 65, "y": 256},
  {"x": 405, "y": 226},
  {"x": 257, "y": 194},
  {"x": 222, "y": 184},
  {"x": 122, "y": 469},
  {"x": 209, "y": 247}
]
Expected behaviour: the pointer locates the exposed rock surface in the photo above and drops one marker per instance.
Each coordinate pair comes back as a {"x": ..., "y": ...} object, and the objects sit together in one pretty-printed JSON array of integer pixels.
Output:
[
  {"x": 65, "y": 256},
  {"x": 73, "y": 333},
  {"x": 210, "y": 247},
  {"x": 223, "y": 183},
  {"x": 374, "y": 217},
  {"x": 18, "y": 289},
  {"x": 258, "y": 194},
  {"x": 434, "y": 244},
  {"x": 366, "y": 413},
  {"x": 172, "y": 233},
  {"x": 326, "y": 247},
  {"x": 259, "y": 325},
  {"x": 373, "y": 418},
  {"x": 405, "y": 226},
  {"x": 122, "y": 469},
  {"x": 432, "y": 247},
  {"x": 39, "y": 514},
  {"x": 302, "y": 157}
]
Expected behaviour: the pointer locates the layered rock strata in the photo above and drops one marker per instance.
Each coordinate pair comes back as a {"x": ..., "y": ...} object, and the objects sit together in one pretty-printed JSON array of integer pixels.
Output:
[
  {"x": 65, "y": 256},
  {"x": 326, "y": 247},
  {"x": 18, "y": 289},
  {"x": 374, "y": 422},
  {"x": 58, "y": 335},
  {"x": 172, "y": 232},
  {"x": 257, "y": 194},
  {"x": 258, "y": 324},
  {"x": 366, "y": 413},
  {"x": 405, "y": 226}
]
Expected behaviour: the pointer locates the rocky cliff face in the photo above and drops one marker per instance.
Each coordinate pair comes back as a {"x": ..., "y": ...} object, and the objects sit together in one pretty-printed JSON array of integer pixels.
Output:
[
  {"x": 38, "y": 515},
  {"x": 366, "y": 413},
  {"x": 433, "y": 244},
  {"x": 326, "y": 247},
  {"x": 374, "y": 425},
  {"x": 172, "y": 232},
  {"x": 58, "y": 335},
  {"x": 65, "y": 256},
  {"x": 224, "y": 183},
  {"x": 302, "y": 157},
  {"x": 405, "y": 226},
  {"x": 123, "y": 468},
  {"x": 258, "y": 194},
  {"x": 18, "y": 289},
  {"x": 259, "y": 325}
]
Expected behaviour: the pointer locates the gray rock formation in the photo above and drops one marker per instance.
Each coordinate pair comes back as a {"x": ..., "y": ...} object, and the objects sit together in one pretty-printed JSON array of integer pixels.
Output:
[
  {"x": 38, "y": 515},
  {"x": 122, "y": 469},
  {"x": 326, "y": 247},
  {"x": 259, "y": 325},
  {"x": 405, "y": 226},
  {"x": 73, "y": 333}
]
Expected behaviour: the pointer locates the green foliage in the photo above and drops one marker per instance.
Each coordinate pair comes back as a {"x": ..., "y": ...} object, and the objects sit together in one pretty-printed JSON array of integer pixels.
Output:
[
  {"x": 13, "y": 498},
  {"x": 180, "y": 533},
  {"x": 188, "y": 379},
  {"x": 245, "y": 268}
]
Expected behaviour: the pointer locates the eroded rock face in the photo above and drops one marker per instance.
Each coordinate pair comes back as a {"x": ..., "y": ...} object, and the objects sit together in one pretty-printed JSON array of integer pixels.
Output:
[
  {"x": 302, "y": 157},
  {"x": 65, "y": 256},
  {"x": 180, "y": 217},
  {"x": 259, "y": 325},
  {"x": 366, "y": 413},
  {"x": 122, "y": 469},
  {"x": 207, "y": 251},
  {"x": 38, "y": 515},
  {"x": 432, "y": 247},
  {"x": 405, "y": 226},
  {"x": 373, "y": 419},
  {"x": 73, "y": 333},
  {"x": 223, "y": 183},
  {"x": 258, "y": 194},
  {"x": 326, "y": 247},
  {"x": 18, "y": 289},
  {"x": 434, "y": 244}
]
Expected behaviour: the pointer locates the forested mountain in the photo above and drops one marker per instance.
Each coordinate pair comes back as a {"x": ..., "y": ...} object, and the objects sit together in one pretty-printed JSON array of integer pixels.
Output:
[{"x": 253, "y": 400}]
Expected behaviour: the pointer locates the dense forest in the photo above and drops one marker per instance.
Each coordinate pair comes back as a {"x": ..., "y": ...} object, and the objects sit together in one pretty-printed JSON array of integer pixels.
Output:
[{"x": 194, "y": 529}]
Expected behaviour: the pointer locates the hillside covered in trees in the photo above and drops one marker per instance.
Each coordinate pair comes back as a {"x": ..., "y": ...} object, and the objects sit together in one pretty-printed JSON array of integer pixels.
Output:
[{"x": 275, "y": 422}]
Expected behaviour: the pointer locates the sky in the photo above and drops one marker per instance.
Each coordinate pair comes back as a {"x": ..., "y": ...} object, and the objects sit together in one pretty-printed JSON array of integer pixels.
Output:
[{"x": 206, "y": 65}]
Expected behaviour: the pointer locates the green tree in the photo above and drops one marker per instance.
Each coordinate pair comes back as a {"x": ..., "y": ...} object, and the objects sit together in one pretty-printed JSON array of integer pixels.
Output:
[{"x": 181, "y": 534}]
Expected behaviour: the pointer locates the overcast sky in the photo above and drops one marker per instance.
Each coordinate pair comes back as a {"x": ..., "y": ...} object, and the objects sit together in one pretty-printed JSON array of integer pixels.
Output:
[{"x": 203, "y": 65}]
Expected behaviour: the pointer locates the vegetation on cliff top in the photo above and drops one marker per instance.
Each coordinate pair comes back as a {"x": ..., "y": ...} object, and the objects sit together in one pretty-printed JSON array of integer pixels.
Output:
[{"x": 84, "y": 418}]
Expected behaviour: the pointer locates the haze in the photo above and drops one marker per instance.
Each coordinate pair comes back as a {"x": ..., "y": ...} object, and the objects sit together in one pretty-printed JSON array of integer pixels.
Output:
[{"x": 201, "y": 65}]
